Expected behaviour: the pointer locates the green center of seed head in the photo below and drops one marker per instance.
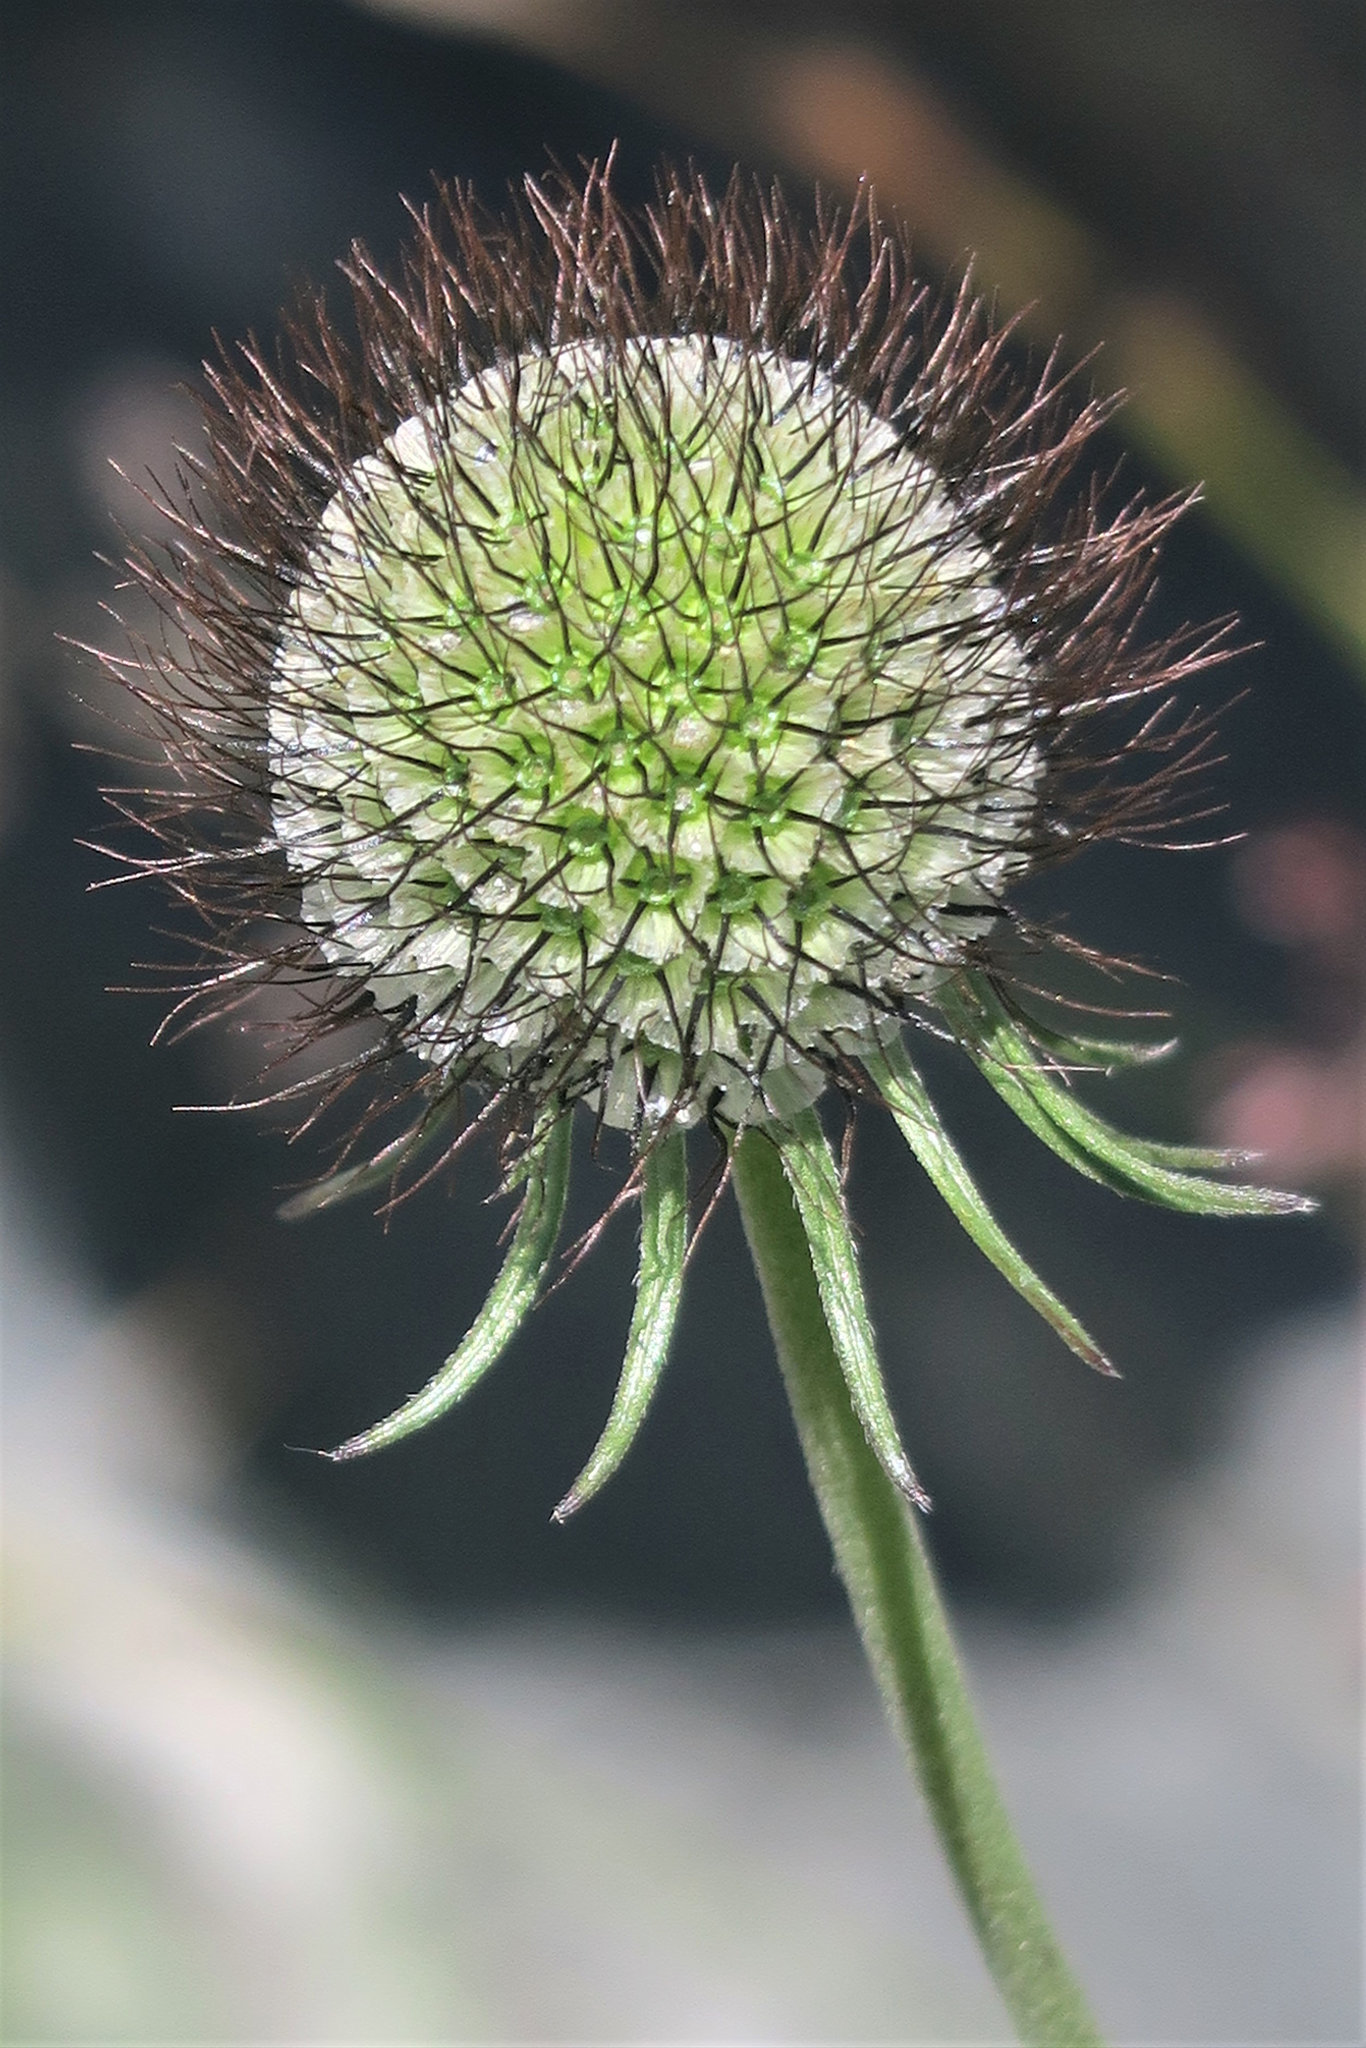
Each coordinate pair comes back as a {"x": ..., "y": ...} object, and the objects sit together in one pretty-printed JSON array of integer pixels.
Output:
[{"x": 643, "y": 723}]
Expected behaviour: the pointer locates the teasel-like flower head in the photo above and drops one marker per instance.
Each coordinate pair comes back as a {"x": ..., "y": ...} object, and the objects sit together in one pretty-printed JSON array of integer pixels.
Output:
[{"x": 631, "y": 674}]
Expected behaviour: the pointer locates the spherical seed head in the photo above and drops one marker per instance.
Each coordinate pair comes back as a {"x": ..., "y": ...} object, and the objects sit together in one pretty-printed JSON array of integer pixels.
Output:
[
  {"x": 647, "y": 712},
  {"x": 636, "y": 671},
  {"x": 635, "y": 675}
]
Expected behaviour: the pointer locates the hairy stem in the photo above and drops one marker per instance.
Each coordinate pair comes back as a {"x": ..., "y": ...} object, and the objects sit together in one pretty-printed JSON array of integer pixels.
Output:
[{"x": 887, "y": 1575}]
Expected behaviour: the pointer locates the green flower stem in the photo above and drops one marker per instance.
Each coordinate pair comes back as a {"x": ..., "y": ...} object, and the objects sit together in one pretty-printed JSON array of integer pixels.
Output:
[{"x": 887, "y": 1575}]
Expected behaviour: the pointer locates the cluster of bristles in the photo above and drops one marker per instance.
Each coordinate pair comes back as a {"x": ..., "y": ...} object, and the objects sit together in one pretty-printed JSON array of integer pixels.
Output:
[{"x": 635, "y": 671}]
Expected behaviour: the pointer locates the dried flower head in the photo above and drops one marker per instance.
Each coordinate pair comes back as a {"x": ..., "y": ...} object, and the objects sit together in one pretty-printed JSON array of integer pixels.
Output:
[{"x": 633, "y": 675}]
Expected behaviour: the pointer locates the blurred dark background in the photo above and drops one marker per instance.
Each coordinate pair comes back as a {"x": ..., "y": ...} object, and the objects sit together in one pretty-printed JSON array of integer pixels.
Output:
[{"x": 1185, "y": 178}]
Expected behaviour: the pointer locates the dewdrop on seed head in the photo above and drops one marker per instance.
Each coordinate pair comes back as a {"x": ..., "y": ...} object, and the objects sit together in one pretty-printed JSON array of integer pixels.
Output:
[
  {"x": 644, "y": 711},
  {"x": 634, "y": 677}
]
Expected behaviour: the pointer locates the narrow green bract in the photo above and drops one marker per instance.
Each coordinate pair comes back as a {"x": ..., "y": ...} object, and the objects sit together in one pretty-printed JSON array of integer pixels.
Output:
[
  {"x": 907, "y": 1097},
  {"x": 509, "y": 1301},
  {"x": 659, "y": 1288},
  {"x": 814, "y": 1179},
  {"x": 1173, "y": 1176}
]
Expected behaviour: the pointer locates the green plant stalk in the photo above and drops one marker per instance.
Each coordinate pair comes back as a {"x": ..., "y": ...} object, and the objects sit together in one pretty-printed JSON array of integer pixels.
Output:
[{"x": 887, "y": 1574}]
